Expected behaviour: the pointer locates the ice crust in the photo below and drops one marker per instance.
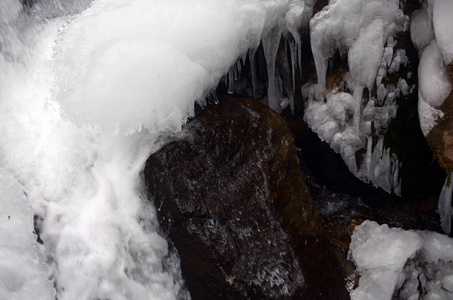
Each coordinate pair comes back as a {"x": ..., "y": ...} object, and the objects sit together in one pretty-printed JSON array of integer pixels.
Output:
[{"x": 407, "y": 263}]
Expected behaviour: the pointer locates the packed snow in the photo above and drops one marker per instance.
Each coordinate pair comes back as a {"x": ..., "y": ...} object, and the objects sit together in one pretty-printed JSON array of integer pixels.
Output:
[{"x": 404, "y": 263}]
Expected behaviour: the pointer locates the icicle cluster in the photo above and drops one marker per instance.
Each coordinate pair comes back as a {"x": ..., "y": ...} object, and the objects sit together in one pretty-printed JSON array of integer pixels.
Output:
[
  {"x": 363, "y": 31},
  {"x": 283, "y": 19}
]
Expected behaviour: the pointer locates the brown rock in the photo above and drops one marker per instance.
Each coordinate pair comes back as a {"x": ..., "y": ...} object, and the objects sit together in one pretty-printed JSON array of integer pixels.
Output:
[{"x": 232, "y": 199}]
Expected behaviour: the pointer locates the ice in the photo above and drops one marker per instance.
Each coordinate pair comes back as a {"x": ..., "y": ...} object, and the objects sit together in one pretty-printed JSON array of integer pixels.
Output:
[
  {"x": 87, "y": 91},
  {"x": 447, "y": 283},
  {"x": 403, "y": 87},
  {"x": 365, "y": 55},
  {"x": 147, "y": 44},
  {"x": 363, "y": 30},
  {"x": 443, "y": 22},
  {"x": 381, "y": 93},
  {"x": 380, "y": 254},
  {"x": 427, "y": 115},
  {"x": 333, "y": 121},
  {"x": 399, "y": 59},
  {"x": 294, "y": 22},
  {"x": 10, "y": 10},
  {"x": 270, "y": 46},
  {"x": 421, "y": 29},
  {"x": 24, "y": 273},
  {"x": 407, "y": 264},
  {"x": 340, "y": 24},
  {"x": 444, "y": 205},
  {"x": 434, "y": 76}
]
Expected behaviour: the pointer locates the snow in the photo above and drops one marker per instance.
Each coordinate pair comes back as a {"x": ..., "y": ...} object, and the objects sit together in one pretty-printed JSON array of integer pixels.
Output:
[{"x": 407, "y": 263}]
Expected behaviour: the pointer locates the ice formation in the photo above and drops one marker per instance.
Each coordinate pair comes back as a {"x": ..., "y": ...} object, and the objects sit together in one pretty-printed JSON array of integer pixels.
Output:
[
  {"x": 86, "y": 90},
  {"x": 362, "y": 30},
  {"x": 442, "y": 21},
  {"x": 434, "y": 41},
  {"x": 430, "y": 33},
  {"x": 395, "y": 262},
  {"x": 283, "y": 18}
]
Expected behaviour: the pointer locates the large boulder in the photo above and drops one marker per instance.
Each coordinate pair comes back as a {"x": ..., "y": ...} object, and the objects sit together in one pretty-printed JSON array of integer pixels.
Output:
[{"x": 231, "y": 198}]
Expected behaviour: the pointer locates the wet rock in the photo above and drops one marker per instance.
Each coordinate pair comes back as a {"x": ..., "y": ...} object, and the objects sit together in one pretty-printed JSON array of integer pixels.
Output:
[{"x": 231, "y": 198}]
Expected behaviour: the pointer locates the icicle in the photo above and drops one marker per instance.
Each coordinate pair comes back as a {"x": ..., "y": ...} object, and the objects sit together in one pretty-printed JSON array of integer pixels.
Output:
[
  {"x": 270, "y": 45},
  {"x": 299, "y": 56},
  {"x": 251, "y": 55},
  {"x": 369, "y": 148},
  {"x": 444, "y": 205},
  {"x": 293, "y": 52},
  {"x": 294, "y": 20},
  {"x": 230, "y": 82},
  {"x": 358, "y": 92},
  {"x": 396, "y": 175}
]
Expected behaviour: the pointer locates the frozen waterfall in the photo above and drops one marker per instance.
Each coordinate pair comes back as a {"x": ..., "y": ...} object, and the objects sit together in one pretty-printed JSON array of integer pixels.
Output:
[{"x": 86, "y": 89}]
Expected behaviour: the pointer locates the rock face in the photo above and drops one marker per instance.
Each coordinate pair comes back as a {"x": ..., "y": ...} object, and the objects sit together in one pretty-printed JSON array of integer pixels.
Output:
[{"x": 232, "y": 200}]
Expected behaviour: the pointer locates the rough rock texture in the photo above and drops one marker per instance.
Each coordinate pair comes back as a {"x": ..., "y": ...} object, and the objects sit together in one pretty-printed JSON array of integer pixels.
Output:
[{"x": 231, "y": 198}]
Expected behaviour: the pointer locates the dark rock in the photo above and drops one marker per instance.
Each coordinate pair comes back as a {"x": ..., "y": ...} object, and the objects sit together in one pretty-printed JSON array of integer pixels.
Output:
[{"x": 231, "y": 198}]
